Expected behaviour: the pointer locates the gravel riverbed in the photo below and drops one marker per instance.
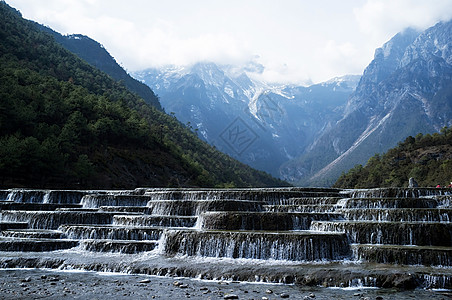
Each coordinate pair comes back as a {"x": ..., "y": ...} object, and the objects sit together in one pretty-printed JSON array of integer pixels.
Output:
[{"x": 50, "y": 284}]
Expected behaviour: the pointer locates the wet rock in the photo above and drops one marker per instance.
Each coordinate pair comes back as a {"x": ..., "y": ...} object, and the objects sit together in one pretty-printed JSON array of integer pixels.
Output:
[
  {"x": 264, "y": 298},
  {"x": 177, "y": 283},
  {"x": 231, "y": 296},
  {"x": 284, "y": 295},
  {"x": 26, "y": 279},
  {"x": 311, "y": 295},
  {"x": 269, "y": 291},
  {"x": 183, "y": 286},
  {"x": 145, "y": 281},
  {"x": 412, "y": 183}
]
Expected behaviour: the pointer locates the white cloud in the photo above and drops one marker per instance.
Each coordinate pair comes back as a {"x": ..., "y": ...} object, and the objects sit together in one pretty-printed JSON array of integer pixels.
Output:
[
  {"x": 383, "y": 18},
  {"x": 297, "y": 41}
]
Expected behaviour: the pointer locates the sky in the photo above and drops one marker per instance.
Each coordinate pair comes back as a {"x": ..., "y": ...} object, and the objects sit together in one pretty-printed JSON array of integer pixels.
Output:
[{"x": 297, "y": 41}]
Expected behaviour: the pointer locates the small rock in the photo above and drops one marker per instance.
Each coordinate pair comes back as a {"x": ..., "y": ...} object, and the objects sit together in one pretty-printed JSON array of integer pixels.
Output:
[
  {"x": 231, "y": 296},
  {"x": 183, "y": 286},
  {"x": 26, "y": 279},
  {"x": 356, "y": 294},
  {"x": 177, "y": 283},
  {"x": 264, "y": 298},
  {"x": 311, "y": 295},
  {"x": 43, "y": 276},
  {"x": 203, "y": 288},
  {"x": 269, "y": 291},
  {"x": 284, "y": 295},
  {"x": 145, "y": 281},
  {"x": 379, "y": 298}
]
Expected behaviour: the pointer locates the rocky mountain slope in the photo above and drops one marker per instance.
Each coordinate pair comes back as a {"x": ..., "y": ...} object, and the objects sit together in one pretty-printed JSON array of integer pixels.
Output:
[
  {"x": 405, "y": 90},
  {"x": 259, "y": 124},
  {"x": 426, "y": 158}
]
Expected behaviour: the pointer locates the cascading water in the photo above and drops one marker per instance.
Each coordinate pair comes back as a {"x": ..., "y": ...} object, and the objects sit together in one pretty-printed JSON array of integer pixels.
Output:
[{"x": 205, "y": 233}]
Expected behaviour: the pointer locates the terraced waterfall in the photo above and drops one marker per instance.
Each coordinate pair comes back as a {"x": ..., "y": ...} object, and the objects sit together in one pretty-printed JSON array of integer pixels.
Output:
[{"x": 379, "y": 237}]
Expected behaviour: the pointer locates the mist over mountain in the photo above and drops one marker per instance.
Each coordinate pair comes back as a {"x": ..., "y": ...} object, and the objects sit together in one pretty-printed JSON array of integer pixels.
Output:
[
  {"x": 261, "y": 124},
  {"x": 64, "y": 123},
  {"x": 95, "y": 54},
  {"x": 405, "y": 90},
  {"x": 310, "y": 135}
]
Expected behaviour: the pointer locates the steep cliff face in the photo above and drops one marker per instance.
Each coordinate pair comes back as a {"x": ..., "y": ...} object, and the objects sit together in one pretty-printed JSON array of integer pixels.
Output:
[{"x": 405, "y": 90}]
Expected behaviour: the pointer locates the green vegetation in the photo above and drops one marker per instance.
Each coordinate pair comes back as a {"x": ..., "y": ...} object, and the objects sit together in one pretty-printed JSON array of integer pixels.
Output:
[
  {"x": 427, "y": 158},
  {"x": 64, "y": 123}
]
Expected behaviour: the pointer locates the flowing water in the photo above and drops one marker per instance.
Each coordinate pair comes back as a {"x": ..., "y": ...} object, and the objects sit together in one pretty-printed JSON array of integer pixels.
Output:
[{"x": 385, "y": 238}]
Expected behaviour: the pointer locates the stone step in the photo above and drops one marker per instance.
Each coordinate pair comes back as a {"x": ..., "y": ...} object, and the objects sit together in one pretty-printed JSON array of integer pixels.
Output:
[
  {"x": 98, "y": 200},
  {"x": 125, "y": 209},
  {"x": 46, "y": 196},
  {"x": 33, "y": 233},
  {"x": 303, "y": 208},
  {"x": 196, "y": 207},
  {"x": 272, "y": 221},
  {"x": 121, "y": 246},
  {"x": 400, "y": 214},
  {"x": 4, "y": 195},
  {"x": 397, "y": 192},
  {"x": 35, "y": 245},
  {"x": 320, "y": 201},
  {"x": 404, "y": 255},
  {"x": 9, "y": 205},
  {"x": 389, "y": 203},
  {"x": 292, "y": 246},
  {"x": 444, "y": 201},
  {"x": 271, "y": 196},
  {"x": 4, "y": 225},
  {"x": 155, "y": 221},
  {"x": 53, "y": 219},
  {"x": 111, "y": 232},
  {"x": 396, "y": 233},
  {"x": 79, "y": 209}
]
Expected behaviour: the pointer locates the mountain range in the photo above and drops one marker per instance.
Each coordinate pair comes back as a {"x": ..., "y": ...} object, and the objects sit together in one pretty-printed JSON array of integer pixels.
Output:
[
  {"x": 310, "y": 135},
  {"x": 66, "y": 123},
  {"x": 405, "y": 90},
  {"x": 307, "y": 135},
  {"x": 276, "y": 122}
]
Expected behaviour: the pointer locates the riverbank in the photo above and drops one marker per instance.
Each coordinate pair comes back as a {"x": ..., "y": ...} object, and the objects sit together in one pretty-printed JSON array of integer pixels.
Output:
[{"x": 51, "y": 284}]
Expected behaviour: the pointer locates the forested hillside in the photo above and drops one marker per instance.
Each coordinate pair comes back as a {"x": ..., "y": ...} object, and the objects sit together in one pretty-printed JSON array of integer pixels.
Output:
[
  {"x": 64, "y": 123},
  {"x": 96, "y": 55},
  {"x": 426, "y": 158}
]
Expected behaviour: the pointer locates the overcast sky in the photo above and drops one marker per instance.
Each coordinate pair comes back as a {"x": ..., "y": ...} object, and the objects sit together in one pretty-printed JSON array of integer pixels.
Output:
[{"x": 296, "y": 40}]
